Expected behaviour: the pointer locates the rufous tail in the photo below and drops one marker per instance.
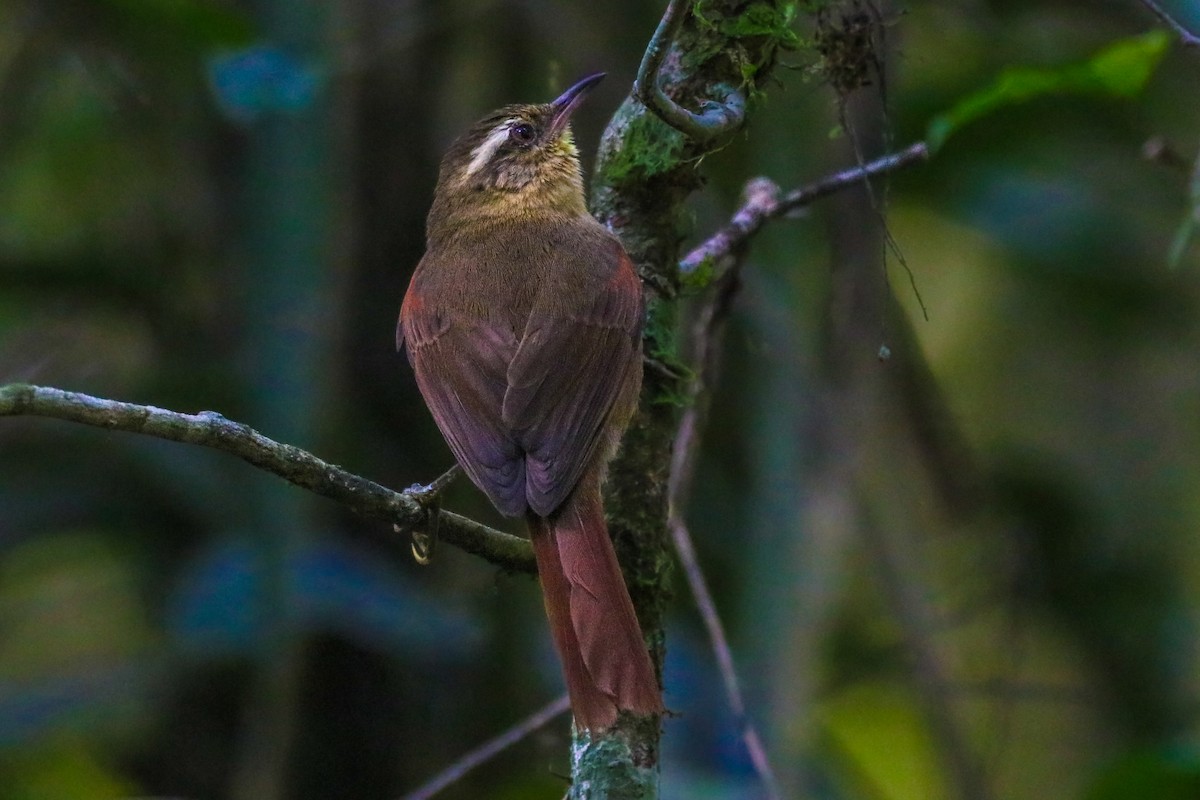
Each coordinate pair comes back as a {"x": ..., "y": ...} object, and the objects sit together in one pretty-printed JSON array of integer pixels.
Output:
[{"x": 595, "y": 629}]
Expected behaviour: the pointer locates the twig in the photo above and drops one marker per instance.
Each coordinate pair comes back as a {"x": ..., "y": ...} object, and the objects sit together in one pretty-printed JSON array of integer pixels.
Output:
[
  {"x": 294, "y": 465},
  {"x": 760, "y": 208},
  {"x": 1188, "y": 38},
  {"x": 719, "y": 117},
  {"x": 706, "y": 336},
  {"x": 720, "y": 644},
  {"x": 761, "y": 204},
  {"x": 490, "y": 749}
]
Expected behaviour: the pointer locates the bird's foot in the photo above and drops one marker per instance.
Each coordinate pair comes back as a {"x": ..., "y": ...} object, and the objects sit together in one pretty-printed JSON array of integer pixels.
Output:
[{"x": 424, "y": 541}]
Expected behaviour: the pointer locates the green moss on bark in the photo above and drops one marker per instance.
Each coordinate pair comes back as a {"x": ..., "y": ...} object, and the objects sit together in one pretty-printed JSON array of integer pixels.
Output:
[{"x": 645, "y": 171}]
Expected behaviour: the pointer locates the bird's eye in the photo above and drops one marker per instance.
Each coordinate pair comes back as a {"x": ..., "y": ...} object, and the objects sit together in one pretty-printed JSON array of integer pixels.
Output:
[{"x": 522, "y": 133}]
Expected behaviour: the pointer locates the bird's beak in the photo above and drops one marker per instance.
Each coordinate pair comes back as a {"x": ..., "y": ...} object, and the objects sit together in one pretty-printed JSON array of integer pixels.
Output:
[{"x": 568, "y": 101}]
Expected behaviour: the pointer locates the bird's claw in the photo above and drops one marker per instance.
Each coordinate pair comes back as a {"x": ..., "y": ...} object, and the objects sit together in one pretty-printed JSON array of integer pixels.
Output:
[{"x": 424, "y": 542}]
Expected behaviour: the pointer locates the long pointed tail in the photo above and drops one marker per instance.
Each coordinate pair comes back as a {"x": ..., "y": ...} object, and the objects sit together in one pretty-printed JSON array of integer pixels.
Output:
[{"x": 595, "y": 629}]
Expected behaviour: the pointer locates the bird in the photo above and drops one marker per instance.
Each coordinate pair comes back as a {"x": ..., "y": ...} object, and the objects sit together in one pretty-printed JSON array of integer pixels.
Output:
[{"x": 523, "y": 325}]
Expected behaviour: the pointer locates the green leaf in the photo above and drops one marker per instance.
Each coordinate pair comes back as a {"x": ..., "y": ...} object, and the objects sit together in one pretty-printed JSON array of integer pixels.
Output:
[
  {"x": 1121, "y": 69},
  {"x": 1124, "y": 68}
]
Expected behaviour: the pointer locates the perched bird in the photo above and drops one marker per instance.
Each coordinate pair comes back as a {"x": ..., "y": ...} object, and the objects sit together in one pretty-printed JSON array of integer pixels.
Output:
[{"x": 523, "y": 324}]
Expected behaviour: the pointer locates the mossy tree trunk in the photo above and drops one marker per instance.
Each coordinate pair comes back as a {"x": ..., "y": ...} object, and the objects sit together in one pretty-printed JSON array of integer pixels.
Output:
[{"x": 645, "y": 171}]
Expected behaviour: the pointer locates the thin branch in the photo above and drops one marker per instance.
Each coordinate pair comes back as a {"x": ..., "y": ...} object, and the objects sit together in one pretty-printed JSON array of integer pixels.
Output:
[
  {"x": 724, "y": 655},
  {"x": 719, "y": 117},
  {"x": 761, "y": 204},
  {"x": 490, "y": 749},
  {"x": 760, "y": 207},
  {"x": 706, "y": 338},
  {"x": 294, "y": 465},
  {"x": 1188, "y": 38}
]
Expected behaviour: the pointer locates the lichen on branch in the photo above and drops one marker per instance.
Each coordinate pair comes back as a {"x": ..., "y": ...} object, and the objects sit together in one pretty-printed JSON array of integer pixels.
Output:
[{"x": 297, "y": 466}]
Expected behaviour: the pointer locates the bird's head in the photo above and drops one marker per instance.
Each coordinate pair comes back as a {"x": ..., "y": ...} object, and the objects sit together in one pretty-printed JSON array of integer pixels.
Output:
[{"x": 517, "y": 160}]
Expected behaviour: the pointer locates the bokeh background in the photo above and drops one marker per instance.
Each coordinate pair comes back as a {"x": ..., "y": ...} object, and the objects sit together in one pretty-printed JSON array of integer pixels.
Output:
[{"x": 988, "y": 566}]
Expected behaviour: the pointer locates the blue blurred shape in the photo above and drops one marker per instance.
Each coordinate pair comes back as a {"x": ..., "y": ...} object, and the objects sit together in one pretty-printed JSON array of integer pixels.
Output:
[
  {"x": 705, "y": 749},
  {"x": 216, "y": 605},
  {"x": 1042, "y": 217},
  {"x": 260, "y": 80},
  {"x": 355, "y": 592},
  {"x": 219, "y": 604},
  {"x": 99, "y": 695}
]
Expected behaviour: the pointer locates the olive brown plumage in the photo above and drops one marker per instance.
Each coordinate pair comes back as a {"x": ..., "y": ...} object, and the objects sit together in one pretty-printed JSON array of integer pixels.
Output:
[{"x": 523, "y": 325}]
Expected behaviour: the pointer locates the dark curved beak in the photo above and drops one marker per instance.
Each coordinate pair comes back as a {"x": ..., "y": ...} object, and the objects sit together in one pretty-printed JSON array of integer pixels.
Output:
[{"x": 569, "y": 100}]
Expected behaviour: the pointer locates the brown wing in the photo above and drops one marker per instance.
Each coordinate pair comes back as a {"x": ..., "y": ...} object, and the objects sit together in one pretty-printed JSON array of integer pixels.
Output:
[
  {"x": 461, "y": 368},
  {"x": 567, "y": 374}
]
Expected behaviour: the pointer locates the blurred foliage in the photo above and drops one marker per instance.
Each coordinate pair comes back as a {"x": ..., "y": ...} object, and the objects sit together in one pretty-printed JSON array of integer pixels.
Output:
[
  {"x": 206, "y": 204},
  {"x": 1169, "y": 776},
  {"x": 879, "y": 732},
  {"x": 1121, "y": 69}
]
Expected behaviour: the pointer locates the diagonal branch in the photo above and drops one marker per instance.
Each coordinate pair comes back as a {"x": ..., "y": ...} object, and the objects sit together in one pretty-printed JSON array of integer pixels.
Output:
[
  {"x": 490, "y": 749},
  {"x": 1188, "y": 38},
  {"x": 706, "y": 337},
  {"x": 761, "y": 207},
  {"x": 299, "y": 467}
]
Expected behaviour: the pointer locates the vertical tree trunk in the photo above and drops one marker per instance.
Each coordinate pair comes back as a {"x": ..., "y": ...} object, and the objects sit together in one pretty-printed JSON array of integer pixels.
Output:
[{"x": 645, "y": 171}]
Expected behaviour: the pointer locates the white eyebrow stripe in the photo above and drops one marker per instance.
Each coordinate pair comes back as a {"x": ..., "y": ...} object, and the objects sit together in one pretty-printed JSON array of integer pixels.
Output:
[{"x": 488, "y": 147}]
